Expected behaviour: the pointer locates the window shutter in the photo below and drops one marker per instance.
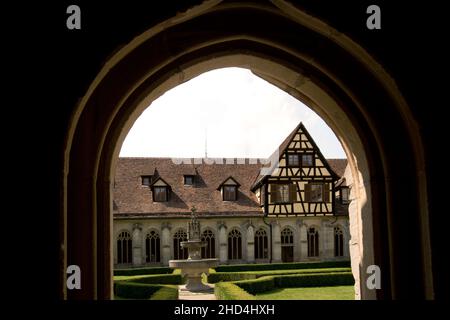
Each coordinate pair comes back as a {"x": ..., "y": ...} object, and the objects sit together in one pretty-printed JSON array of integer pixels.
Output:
[
  {"x": 292, "y": 192},
  {"x": 307, "y": 192},
  {"x": 326, "y": 192},
  {"x": 273, "y": 193}
]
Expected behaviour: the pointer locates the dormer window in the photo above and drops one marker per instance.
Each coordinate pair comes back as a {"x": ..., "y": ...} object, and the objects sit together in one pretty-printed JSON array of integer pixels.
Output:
[
  {"x": 160, "y": 190},
  {"x": 229, "y": 189},
  {"x": 229, "y": 193},
  {"x": 293, "y": 160},
  {"x": 146, "y": 180},
  {"x": 160, "y": 194},
  {"x": 188, "y": 180}
]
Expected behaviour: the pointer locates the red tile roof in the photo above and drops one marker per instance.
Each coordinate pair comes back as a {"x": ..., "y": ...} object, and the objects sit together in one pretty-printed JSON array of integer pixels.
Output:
[{"x": 131, "y": 198}]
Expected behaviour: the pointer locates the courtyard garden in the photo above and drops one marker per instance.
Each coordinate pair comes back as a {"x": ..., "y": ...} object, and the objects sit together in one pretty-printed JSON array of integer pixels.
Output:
[{"x": 284, "y": 281}]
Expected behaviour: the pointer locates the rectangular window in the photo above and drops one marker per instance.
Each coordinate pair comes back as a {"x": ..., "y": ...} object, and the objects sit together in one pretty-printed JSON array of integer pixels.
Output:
[
  {"x": 146, "y": 180},
  {"x": 345, "y": 191},
  {"x": 293, "y": 160},
  {"x": 229, "y": 193},
  {"x": 160, "y": 194},
  {"x": 307, "y": 160},
  {"x": 315, "y": 192},
  {"x": 283, "y": 193},
  {"x": 188, "y": 180}
]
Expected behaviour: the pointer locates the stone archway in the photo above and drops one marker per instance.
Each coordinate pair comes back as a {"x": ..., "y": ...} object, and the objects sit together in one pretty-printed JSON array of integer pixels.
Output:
[{"x": 326, "y": 70}]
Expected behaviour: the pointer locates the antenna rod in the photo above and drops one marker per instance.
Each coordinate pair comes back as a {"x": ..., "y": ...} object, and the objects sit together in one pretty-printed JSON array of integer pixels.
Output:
[{"x": 206, "y": 143}]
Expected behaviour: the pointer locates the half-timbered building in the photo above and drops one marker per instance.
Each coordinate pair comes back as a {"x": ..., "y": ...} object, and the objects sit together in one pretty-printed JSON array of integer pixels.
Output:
[{"x": 293, "y": 208}]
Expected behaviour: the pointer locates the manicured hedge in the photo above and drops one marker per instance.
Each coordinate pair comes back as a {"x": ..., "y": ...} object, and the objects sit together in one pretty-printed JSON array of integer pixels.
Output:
[
  {"x": 262, "y": 284},
  {"x": 230, "y": 291},
  {"x": 159, "y": 279},
  {"x": 283, "y": 266},
  {"x": 248, "y": 275},
  {"x": 230, "y": 276},
  {"x": 166, "y": 293},
  {"x": 139, "y": 271},
  {"x": 269, "y": 283},
  {"x": 314, "y": 280},
  {"x": 131, "y": 290}
]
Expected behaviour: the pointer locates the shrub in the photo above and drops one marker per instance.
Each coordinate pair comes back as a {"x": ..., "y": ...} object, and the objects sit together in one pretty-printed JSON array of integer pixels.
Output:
[
  {"x": 230, "y": 276},
  {"x": 255, "y": 286},
  {"x": 176, "y": 271},
  {"x": 314, "y": 280},
  {"x": 298, "y": 271},
  {"x": 283, "y": 266},
  {"x": 230, "y": 291},
  {"x": 248, "y": 275},
  {"x": 131, "y": 290},
  {"x": 159, "y": 279},
  {"x": 142, "y": 271},
  {"x": 166, "y": 293}
]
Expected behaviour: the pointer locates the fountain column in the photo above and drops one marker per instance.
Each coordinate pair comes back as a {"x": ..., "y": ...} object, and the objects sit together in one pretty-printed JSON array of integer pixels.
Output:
[{"x": 194, "y": 266}]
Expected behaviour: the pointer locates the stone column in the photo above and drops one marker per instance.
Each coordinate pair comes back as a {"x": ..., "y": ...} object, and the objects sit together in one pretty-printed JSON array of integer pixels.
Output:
[
  {"x": 137, "y": 244},
  {"x": 303, "y": 235},
  {"x": 276, "y": 242},
  {"x": 250, "y": 244},
  {"x": 346, "y": 232},
  {"x": 223, "y": 243},
  {"x": 327, "y": 240},
  {"x": 165, "y": 243}
]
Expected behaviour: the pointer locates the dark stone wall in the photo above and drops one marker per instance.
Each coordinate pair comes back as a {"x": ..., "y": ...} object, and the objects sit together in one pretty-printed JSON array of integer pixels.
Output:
[{"x": 55, "y": 67}]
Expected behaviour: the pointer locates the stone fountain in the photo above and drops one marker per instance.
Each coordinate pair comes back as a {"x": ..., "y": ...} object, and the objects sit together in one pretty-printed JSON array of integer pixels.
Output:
[{"x": 194, "y": 266}]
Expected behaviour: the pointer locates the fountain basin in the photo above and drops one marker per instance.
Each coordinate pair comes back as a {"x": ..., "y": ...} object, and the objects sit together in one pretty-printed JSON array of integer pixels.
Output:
[{"x": 193, "y": 270}]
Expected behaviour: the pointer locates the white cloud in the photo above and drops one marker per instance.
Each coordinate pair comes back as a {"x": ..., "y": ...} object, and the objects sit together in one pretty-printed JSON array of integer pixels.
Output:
[{"x": 243, "y": 115}]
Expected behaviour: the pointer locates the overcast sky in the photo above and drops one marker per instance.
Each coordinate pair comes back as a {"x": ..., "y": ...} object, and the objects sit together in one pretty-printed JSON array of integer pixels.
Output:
[{"x": 236, "y": 113}]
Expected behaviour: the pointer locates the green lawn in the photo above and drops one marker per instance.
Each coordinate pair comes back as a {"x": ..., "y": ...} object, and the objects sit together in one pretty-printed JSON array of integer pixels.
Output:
[{"x": 315, "y": 293}]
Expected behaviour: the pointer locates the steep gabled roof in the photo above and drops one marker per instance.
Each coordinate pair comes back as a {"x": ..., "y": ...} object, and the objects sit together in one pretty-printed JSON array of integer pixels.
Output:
[
  {"x": 230, "y": 177},
  {"x": 285, "y": 144},
  {"x": 156, "y": 180}
]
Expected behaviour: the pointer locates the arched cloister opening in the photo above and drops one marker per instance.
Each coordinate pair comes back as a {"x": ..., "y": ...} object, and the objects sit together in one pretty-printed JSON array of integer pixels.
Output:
[
  {"x": 326, "y": 70},
  {"x": 338, "y": 241},
  {"x": 261, "y": 244},
  {"x": 152, "y": 247},
  {"x": 209, "y": 251}
]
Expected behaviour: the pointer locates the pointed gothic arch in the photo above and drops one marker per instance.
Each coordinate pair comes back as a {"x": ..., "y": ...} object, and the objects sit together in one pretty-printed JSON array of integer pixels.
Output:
[
  {"x": 209, "y": 237},
  {"x": 152, "y": 247},
  {"x": 313, "y": 241},
  {"x": 179, "y": 253},
  {"x": 300, "y": 68},
  {"x": 261, "y": 244},
  {"x": 124, "y": 247},
  {"x": 234, "y": 244}
]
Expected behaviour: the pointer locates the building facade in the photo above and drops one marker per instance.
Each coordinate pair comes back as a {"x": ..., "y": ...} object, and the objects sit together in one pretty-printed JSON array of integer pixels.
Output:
[{"x": 290, "y": 207}]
